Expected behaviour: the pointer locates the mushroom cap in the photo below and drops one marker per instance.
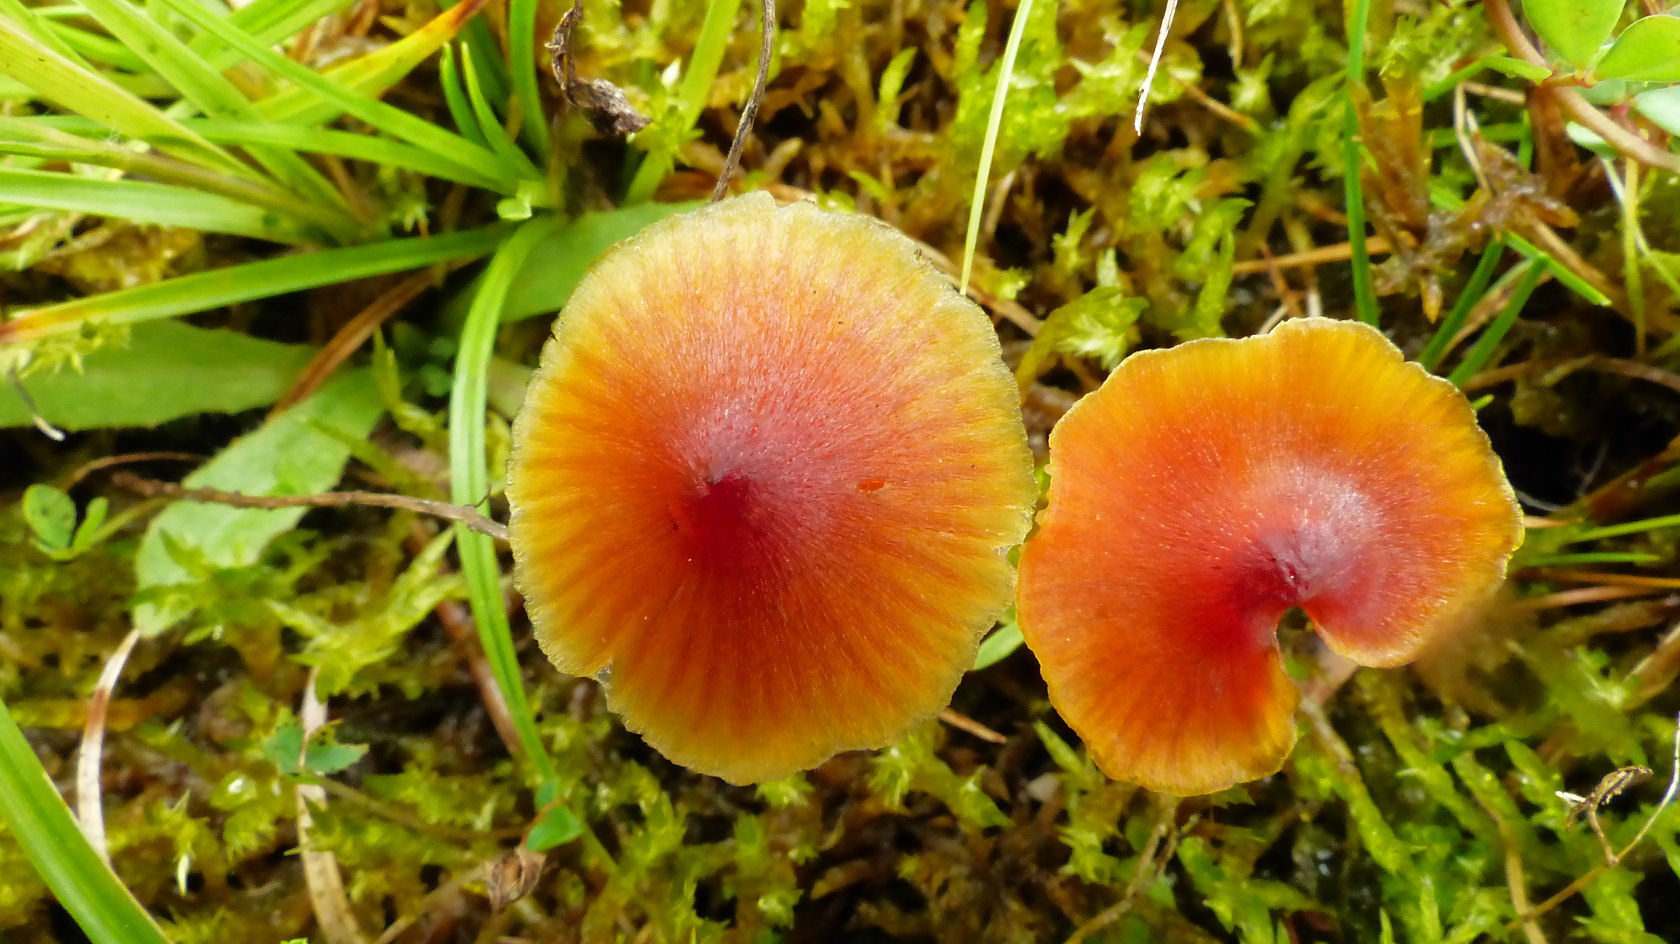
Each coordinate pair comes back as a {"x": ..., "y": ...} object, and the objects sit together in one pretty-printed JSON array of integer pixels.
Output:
[
  {"x": 1205, "y": 490},
  {"x": 768, "y": 472}
]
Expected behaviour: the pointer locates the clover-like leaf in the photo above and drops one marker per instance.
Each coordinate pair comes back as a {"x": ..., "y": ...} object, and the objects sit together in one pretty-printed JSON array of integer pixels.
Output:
[
  {"x": 1647, "y": 51},
  {"x": 555, "y": 826},
  {"x": 1575, "y": 29},
  {"x": 51, "y": 515},
  {"x": 1662, "y": 107}
]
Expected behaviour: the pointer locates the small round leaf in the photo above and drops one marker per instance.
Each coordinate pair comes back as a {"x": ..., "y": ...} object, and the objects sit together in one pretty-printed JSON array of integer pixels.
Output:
[
  {"x": 1647, "y": 51},
  {"x": 1662, "y": 107},
  {"x": 1574, "y": 28},
  {"x": 50, "y": 514}
]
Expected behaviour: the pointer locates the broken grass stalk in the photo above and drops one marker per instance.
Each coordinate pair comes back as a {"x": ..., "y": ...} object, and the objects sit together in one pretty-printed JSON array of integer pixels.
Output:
[
  {"x": 766, "y": 47},
  {"x": 459, "y": 514},
  {"x": 1569, "y": 891}
]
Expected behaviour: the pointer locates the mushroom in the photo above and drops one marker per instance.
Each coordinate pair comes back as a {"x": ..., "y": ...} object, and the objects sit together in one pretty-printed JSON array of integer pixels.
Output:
[
  {"x": 764, "y": 483},
  {"x": 1205, "y": 490}
]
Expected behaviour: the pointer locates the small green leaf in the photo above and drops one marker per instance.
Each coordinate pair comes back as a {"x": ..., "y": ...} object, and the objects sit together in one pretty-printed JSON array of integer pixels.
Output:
[
  {"x": 1574, "y": 28},
  {"x": 51, "y": 515},
  {"x": 291, "y": 455},
  {"x": 1647, "y": 51},
  {"x": 284, "y": 747},
  {"x": 1003, "y": 641},
  {"x": 323, "y": 755},
  {"x": 330, "y": 757},
  {"x": 556, "y": 826},
  {"x": 167, "y": 370},
  {"x": 557, "y": 264},
  {"x": 547, "y": 794},
  {"x": 1517, "y": 68},
  {"x": 1662, "y": 106},
  {"x": 89, "y": 529}
]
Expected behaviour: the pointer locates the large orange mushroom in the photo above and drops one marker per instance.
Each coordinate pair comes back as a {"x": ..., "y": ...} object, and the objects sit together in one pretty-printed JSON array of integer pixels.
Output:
[
  {"x": 1207, "y": 489},
  {"x": 764, "y": 482}
]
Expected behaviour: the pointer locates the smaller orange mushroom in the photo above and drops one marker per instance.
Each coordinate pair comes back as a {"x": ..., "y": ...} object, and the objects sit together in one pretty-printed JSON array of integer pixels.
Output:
[
  {"x": 767, "y": 474},
  {"x": 1207, "y": 489}
]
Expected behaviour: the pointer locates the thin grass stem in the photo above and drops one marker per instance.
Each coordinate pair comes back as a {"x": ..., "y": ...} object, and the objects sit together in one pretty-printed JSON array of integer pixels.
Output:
[
  {"x": 1441, "y": 341},
  {"x": 1364, "y": 293},
  {"x": 1483, "y": 350},
  {"x": 470, "y": 482},
  {"x": 977, "y": 203}
]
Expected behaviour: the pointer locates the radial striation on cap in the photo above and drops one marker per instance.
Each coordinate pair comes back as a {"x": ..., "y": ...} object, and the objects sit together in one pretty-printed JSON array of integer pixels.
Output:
[
  {"x": 1207, "y": 489},
  {"x": 767, "y": 474}
]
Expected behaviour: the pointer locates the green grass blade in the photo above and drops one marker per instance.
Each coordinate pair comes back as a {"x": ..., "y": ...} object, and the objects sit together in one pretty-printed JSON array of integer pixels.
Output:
[
  {"x": 318, "y": 98},
  {"x": 41, "y": 824},
  {"x": 44, "y": 137},
  {"x": 1625, "y": 528},
  {"x": 696, "y": 85},
  {"x": 64, "y": 83},
  {"x": 470, "y": 482},
  {"x": 39, "y": 29},
  {"x": 66, "y": 136},
  {"x": 360, "y": 147},
  {"x": 387, "y": 118},
  {"x": 455, "y": 97},
  {"x": 1559, "y": 271},
  {"x": 1473, "y": 289},
  {"x": 269, "y": 21},
  {"x": 146, "y": 202},
  {"x": 514, "y": 163},
  {"x": 1483, "y": 350},
  {"x": 100, "y": 49},
  {"x": 977, "y": 204},
  {"x": 206, "y": 290},
  {"x": 211, "y": 93},
  {"x": 1591, "y": 557},
  {"x": 522, "y": 69},
  {"x": 1364, "y": 293}
]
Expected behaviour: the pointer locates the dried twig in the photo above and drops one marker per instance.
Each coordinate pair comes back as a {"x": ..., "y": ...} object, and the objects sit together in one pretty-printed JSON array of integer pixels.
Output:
[
  {"x": 1608, "y": 788},
  {"x": 1154, "y": 64},
  {"x": 1323, "y": 255},
  {"x": 963, "y": 722},
  {"x": 320, "y": 868},
  {"x": 90, "y": 811},
  {"x": 766, "y": 46},
  {"x": 1151, "y": 861},
  {"x": 437, "y": 509},
  {"x": 47, "y": 429},
  {"x": 350, "y": 337},
  {"x": 1569, "y": 891},
  {"x": 603, "y": 103}
]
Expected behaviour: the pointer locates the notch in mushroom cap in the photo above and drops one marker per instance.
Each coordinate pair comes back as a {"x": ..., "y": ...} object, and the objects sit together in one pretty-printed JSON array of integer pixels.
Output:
[
  {"x": 768, "y": 472},
  {"x": 1205, "y": 490}
]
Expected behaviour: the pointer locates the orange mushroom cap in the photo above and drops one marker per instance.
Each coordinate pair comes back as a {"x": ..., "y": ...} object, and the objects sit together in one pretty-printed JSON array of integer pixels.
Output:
[
  {"x": 768, "y": 472},
  {"x": 1205, "y": 490}
]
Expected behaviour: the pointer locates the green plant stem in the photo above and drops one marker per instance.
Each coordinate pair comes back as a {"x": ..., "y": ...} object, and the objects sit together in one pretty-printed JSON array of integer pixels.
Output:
[
  {"x": 1473, "y": 289},
  {"x": 470, "y": 483},
  {"x": 977, "y": 204},
  {"x": 522, "y": 69},
  {"x": 40, "y": 821},
  {"x": 1624, "y": 141},
  {"x": 1364, "y": 294},
  {"x": 203, "y": 291},
  {"x": 1626, "y": 528},
  {"x": 1481, "y": 352}
]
